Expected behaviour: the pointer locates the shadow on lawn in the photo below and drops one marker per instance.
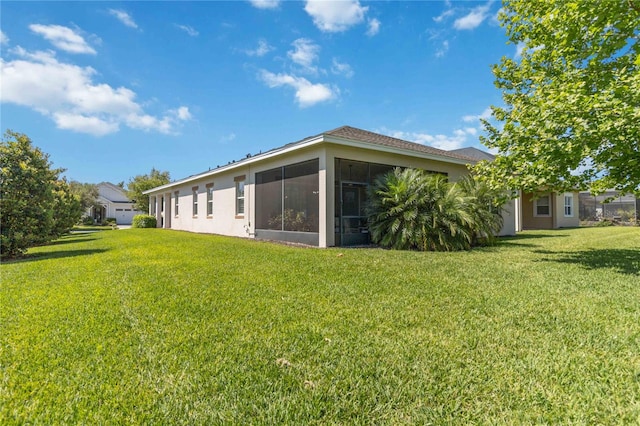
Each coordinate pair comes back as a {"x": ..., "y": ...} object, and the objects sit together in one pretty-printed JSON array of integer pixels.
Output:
[
  {"x": 53, "y": 255},
  {"x": 623, "y": 261},
  {"x": 521, "y": 239},
  {"x": 73, "y": 238}
]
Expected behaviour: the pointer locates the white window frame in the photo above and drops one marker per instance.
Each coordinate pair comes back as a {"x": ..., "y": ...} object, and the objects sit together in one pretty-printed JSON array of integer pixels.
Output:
[
  {"x": 568, "y": 196},
  {"x": 240, "y": 196},
  {"x": 194, "y": 203},
  {"x": 176, "y": 203},
  {"x": 209, "y": 200},
  {"x": 535, "y": 206}
]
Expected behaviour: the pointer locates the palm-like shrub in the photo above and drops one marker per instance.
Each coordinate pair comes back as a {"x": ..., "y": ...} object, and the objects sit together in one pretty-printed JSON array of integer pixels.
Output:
[
  {"x": 485, "y": 207},
  {"x": 411, "y": 209}
]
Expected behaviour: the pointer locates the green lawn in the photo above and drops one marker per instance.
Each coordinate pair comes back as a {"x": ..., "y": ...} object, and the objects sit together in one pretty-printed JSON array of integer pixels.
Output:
[{"x": 146, "y": 326}]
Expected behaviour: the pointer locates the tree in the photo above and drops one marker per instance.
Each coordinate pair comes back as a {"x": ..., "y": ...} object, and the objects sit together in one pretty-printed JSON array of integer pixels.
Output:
[
  {"x": 87, "y": 194},
  {"x": 27, "y": 198},
  {"x": 141, "y": 183},
  {"x": 67, "y": 208},
  {"x": 572, "y": 100}
]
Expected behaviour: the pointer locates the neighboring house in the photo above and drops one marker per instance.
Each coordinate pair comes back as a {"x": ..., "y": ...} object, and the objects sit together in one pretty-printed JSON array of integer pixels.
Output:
[
  {"x": 312, "y": 191},
  {"x": 547, "y": 210},
  {"x": 611, "y": 205},
  {"x": 113, "y": 203},
  {"x": 537, "y": 211}
]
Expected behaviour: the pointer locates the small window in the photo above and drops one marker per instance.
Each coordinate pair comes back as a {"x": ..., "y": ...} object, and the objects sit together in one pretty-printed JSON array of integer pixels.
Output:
[
  {"x": 239, "y": 196},
  {"x": 176, "y": 201},
  {"x": 568, "y": 205},
  {"x": 542, "y": 206},
  {"x": 162, "y": 204},
  {"x": 210, "y": 199},
  {"x": 195, "y": 200}
]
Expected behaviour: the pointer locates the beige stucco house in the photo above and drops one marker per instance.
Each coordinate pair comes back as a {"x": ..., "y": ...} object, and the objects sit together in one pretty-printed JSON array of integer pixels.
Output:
[{"x": 312, "y": 191}]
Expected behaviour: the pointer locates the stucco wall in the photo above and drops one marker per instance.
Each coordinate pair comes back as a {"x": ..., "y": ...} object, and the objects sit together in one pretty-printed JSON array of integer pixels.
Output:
[
  {"x": 224, "y": 221},
  {"x": 563, "y": 221},
  {"x": 529, "y": 221}
]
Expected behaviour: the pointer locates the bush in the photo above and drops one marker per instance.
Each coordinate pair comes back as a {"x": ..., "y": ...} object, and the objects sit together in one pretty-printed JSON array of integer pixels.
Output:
[
  {"x": 87, "y": 221},
  {"x": 110, "y": 221},
  {"x": 411, "y": 209},
  {"x": 144, "y": 221}
]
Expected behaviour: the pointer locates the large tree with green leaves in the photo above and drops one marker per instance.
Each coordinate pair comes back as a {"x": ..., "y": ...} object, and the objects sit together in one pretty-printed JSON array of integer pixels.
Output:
[
  {"x": 36, "y": 205},
  {"x": 141, "y": 183},
  {"x": 572, "y": 99}
]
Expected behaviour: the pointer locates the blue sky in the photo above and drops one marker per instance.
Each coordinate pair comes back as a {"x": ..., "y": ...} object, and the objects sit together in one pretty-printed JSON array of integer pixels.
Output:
[{"x": 112, "y": 89}]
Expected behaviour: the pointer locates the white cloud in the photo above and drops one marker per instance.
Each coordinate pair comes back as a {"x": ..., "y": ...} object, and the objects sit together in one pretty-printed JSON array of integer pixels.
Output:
[
  {"x": 123, "y": 17},
  {"x": 84, "y": 124},
  {"x": 444, "y": 48},
  {"x": 444, "y": 15},
  {"x": 447, "y": 142},
  {"x": 335, "y": 16},
  {"x": 473, "y": 19},
  {"x": 63, "y": 38},
  {"x": 341, "y": 68},
  {"x": 265, "y": 4},
  {"x": 374, "y": 27},
  {"x": 305, "y": 53},
  {"x": 486, "y": 114},
  {"x": 262, "y": 49},
  {"x": 67, "y": 93},
  {"x": 307, "y": 93},
  {"x": 227, "y": 138},
  {"x": 188, "y": 29},
  {"x": 3, "y": 38}
]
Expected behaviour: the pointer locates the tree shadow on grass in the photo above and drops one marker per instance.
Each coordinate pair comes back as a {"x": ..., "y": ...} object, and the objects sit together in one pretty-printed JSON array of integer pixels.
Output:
[
  {"x": 521, "y": 239},
  {"x": 623, "y": 261},
  {"x": 73, "y": 238},
  {"x": 34, "y": 257}
]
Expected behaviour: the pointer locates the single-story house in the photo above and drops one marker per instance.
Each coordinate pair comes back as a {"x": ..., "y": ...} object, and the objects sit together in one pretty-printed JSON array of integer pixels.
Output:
[
  {"x": 312, "y": 191},
  {"x": 113, "y": 202}
]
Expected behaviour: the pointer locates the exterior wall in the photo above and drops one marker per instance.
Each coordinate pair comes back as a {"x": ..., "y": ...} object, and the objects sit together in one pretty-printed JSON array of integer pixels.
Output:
[
  {"x": 115, "y": 204},
  {"x": 562, "y": 221},
  {"x": 529, "y": 220},
  {"x": 556, "y": 218},
  {"x": 224, "y": 221},
  {"x": 509, "y": 217},
  {"x": 453, "y": 171}
]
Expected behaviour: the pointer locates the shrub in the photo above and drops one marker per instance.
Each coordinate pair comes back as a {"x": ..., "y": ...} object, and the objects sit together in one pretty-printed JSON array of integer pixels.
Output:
[
  {"x": 110, "y": 221},
  {"x": 411, "y": 209},
  {"x": 87, "y": 221},
  {"x": 144, "y": 221}
]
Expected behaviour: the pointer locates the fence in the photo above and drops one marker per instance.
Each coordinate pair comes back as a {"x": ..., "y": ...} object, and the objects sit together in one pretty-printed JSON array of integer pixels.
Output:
[{"x": 610, "y": 205}]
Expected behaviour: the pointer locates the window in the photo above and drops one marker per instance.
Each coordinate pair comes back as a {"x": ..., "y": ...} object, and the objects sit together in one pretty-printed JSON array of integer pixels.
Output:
[
  {"x": 239, "y": 196},
  {"x": 162, "y": 204},
  {"x": 568, "y": 205},
  {"x": 542, "y": 206},
  {"x": 177, "y": 197},
  {"x": 209, "y": 199},
  {"x": 195, "y": 200},
  {"x": 153, "y": 205},
  {"x": 287, "y": 198}
]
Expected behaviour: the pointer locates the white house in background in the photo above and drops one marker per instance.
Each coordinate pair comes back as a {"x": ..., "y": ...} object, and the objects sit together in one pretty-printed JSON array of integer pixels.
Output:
[
  {"x": 312, "y": 191},
  {"x": 114, "y": 204}
]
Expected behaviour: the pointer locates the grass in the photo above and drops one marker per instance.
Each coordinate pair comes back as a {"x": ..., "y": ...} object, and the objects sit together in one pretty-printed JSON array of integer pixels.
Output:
[{"x": 163, "y": 327}]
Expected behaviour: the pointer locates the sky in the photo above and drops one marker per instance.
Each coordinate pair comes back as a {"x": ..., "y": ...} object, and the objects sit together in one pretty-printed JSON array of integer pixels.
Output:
[{"x": 111, "y": 90}]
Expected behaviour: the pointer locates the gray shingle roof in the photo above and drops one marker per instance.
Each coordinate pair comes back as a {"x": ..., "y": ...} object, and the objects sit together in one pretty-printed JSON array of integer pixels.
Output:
[{"x": 352, "y": 133}]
